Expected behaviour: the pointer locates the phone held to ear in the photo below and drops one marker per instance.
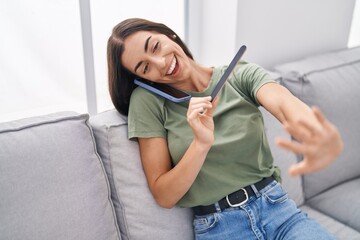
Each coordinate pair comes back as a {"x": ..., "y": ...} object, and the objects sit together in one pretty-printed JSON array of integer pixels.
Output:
[
  {"x": 177, "y": 95},
  {"x": 164, "y": 90}
]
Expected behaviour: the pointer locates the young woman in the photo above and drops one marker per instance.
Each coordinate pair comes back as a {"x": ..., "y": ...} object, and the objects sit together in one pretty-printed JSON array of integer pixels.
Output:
[{"x": 213, "y": 156}]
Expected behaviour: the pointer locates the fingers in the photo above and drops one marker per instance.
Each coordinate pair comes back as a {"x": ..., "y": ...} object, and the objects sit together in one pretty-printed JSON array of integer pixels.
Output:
[
  {"x": 319, "y": 115},
  {"x": 305, "y": 130},
  {"x": 213, "y": 107},
  {"x": 292, "y": 146},
  {"x": 301, "y": 132},
  {"x": 300, "y": 168},
  {"x": 198, "y": 105},
  {"x": 318, "y": 142},
  {"x": 327, "y": 125},
  {"x": 307, "y": 166}
]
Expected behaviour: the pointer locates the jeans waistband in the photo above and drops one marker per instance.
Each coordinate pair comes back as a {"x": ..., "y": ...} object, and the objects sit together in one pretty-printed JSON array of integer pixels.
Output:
[{"x": 234, "y": 199}]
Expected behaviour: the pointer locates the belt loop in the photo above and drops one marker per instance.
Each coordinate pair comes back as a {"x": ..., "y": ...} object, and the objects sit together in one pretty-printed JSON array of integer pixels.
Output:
[
  {"x": 255, "y": 190},
  {"x": 217, "y": 207}
]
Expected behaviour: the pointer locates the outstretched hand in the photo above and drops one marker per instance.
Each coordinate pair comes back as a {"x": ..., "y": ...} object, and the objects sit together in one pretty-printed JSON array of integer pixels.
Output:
[{"x": 319, "y": 145}]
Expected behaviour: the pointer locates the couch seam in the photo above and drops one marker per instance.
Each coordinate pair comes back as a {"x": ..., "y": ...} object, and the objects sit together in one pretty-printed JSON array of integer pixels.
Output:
[
  {"x": 87, "y": 123},
  {"x": 330, "y": 68},
  {"x": 45, "y": 122},
  {"x": 123, "y": 210}
]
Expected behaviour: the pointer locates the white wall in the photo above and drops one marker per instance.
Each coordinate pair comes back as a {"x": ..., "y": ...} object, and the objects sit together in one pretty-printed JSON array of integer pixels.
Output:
[
  {"x": 212, "y": 31},
  {"x": 275, "y": 31}
]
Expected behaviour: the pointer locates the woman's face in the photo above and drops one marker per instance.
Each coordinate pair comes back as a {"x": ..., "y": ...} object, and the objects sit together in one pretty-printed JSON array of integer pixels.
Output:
[{"x": 155, "y": 57}]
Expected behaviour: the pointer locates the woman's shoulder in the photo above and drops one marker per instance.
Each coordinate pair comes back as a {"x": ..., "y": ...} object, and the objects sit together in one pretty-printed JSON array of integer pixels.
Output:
[
  {"x": 141, "y": 94},
  {"x": 142, "y": 99},
  {"x": 242, "y": 65}
]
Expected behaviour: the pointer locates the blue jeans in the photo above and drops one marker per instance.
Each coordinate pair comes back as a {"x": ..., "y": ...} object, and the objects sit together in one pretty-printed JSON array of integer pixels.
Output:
[{"x": 270, "y": 216}]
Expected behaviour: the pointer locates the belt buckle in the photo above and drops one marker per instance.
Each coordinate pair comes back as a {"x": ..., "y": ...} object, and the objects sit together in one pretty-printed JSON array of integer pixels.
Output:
[{"x": 238, "y": 204}]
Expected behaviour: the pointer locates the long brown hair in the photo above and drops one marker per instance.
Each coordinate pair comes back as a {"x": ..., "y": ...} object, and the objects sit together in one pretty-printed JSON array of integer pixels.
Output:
[{"x": 121, "y": 81}]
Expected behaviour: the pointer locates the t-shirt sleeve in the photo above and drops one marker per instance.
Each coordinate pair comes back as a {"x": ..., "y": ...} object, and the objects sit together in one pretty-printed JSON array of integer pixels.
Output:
[
  {"x": 146, "y": 115},
  {"x": 250, "y": 78}
]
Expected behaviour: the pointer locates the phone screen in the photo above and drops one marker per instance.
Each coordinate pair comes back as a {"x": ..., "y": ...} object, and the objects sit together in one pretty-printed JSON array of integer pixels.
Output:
[{"x": 164, "y": 90}]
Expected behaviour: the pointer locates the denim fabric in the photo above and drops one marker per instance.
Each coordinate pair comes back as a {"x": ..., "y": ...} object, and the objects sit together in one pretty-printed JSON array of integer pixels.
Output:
[{"x": 271, "y": 215}]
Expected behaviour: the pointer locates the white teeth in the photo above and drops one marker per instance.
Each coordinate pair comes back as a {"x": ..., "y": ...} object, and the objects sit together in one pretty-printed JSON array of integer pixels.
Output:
[{"x": 172, "y": 66}]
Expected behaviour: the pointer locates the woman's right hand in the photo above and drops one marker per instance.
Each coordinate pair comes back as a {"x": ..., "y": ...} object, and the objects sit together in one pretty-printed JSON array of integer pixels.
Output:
[{"x": 200, "y": 119}]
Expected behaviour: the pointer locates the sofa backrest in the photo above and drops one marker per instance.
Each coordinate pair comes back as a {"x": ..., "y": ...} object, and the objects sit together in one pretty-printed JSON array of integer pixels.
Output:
[
  {"x": 331, "y": 82},
  {"x": 138, "y": 214},
  {"x": 52, "y": 182}
]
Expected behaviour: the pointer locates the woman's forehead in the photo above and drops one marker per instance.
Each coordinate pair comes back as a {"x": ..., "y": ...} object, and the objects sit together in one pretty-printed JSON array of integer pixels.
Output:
[
  {"x": 134, "y": 46},
  {"x": 140, "y": 39}
]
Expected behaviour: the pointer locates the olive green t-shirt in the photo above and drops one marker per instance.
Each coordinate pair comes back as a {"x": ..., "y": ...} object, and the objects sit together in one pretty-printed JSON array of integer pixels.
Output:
[{"x": 240, "y": 155}]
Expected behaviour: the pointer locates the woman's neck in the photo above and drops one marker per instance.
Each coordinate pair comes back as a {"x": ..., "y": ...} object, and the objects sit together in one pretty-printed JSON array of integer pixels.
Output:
[{"x": 199, "y": 79}]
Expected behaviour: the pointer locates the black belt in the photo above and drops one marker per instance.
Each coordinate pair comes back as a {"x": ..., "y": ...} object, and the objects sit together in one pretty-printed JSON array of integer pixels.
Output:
[{"x": 234, "y": 199}]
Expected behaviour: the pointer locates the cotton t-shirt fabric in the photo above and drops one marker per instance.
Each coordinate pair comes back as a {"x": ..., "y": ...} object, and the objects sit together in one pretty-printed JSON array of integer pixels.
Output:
[{"x": 240, "y": 155}]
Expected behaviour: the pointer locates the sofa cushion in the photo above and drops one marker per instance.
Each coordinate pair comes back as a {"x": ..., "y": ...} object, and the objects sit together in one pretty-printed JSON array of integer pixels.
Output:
[
  {"x": 341, "y": 202},
  {"x": 139, "y": 216},
  {"x": 338, "y": 229},
  {"x": 52, "y": 181},
  {"x": 331, "y": 82},
  {"x": 282, "y": 158}
]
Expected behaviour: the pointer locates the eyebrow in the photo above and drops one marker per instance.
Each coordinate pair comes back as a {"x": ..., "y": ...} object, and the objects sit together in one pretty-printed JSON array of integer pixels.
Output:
[
  {"x": 145, "y": 48},
  {"x": 147, "y": 43},
  {"x": 138, "y": 65}
]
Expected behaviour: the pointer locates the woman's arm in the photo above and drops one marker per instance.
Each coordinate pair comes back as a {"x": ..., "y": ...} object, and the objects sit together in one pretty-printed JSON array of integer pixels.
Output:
[
  {"x": 169, "y": 184},
  {"x": 318, "y": 140}
]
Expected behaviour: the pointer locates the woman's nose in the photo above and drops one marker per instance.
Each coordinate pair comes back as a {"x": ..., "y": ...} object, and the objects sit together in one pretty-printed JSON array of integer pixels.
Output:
[{"x": 159, "y": 62}]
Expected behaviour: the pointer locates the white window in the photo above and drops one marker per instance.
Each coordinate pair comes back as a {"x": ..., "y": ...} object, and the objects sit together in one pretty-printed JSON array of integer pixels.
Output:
[
  {"x": 42, "y": 66},
  {"x": 41, "y": 59},
  {"x": 354, "y": 38}
]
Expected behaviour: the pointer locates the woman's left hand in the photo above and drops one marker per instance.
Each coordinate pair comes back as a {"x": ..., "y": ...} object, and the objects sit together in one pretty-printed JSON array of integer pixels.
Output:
[{"x": 319, "y": 145}]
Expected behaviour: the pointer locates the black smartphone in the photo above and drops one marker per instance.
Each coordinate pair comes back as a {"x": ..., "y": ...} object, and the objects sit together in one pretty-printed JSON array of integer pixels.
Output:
[
  {"x": 228, "y": 71},
  {"x": 164, "y": 90}
]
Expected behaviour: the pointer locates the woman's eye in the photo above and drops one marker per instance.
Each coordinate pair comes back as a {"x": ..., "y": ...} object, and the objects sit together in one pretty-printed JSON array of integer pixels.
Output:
[
  {"x": 156, "y": 46},
  {"x": 146, "y": 68}
]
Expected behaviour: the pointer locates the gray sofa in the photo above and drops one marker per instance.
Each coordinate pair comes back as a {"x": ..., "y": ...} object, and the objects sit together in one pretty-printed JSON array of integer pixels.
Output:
[{"x": 68, "y": 176}]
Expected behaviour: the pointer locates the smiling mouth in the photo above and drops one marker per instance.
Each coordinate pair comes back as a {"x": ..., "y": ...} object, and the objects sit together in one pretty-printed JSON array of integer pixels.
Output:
[{"x": 172, "y": 66}]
